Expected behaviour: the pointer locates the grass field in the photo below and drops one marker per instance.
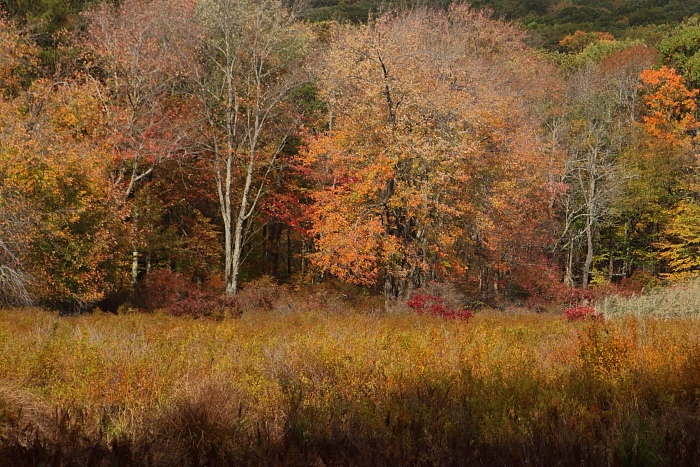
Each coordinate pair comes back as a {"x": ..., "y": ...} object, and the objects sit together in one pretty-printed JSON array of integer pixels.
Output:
[{"x": 331, "y": 388}]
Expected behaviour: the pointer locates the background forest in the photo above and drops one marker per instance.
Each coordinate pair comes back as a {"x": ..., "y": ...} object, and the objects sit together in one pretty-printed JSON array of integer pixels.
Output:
[{"x": 167, "y": 153}]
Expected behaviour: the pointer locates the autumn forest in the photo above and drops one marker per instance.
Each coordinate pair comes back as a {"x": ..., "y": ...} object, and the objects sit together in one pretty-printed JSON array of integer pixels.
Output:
[
  {"x": 199, "y": 146},
  {"x": 349, "y": 232}
]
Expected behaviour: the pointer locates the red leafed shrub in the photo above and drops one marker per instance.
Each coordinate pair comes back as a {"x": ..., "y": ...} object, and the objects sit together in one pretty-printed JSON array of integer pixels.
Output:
[
  {"x": 161, "y": 289},
  {"x": 174, "y": 294},
  {"x": 434, "y": 305},
  {"x": 580, "y": 312},
  {"x": 193, "y": 303}
]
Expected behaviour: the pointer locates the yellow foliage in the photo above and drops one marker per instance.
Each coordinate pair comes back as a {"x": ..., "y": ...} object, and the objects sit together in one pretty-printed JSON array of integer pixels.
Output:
[{"x": 679, "y": 246}]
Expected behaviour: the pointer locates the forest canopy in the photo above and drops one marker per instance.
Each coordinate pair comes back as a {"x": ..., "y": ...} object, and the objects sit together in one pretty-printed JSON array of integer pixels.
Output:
[{"x": 163, "y": 153}]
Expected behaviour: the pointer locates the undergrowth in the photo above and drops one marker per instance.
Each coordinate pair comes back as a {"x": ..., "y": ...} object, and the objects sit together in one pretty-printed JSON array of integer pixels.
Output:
[{"x": 323, "y": 388}]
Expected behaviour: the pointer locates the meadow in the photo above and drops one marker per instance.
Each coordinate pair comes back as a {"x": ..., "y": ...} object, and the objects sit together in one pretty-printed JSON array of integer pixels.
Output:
[{"x": 328, "y": 385}]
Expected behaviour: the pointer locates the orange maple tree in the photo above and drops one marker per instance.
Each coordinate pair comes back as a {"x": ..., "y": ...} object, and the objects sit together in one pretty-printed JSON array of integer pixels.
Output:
[{"x": 669, "y": 105}]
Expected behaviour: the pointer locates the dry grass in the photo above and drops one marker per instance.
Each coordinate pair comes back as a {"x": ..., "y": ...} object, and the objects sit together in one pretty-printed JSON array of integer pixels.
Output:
[
  {"x": 680, "y": 301},
  {"x": 347, "y": 389}
]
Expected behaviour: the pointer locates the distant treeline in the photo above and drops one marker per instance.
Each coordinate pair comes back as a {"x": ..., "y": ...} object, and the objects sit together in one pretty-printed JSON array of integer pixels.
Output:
[{"x": 550, "y": 20}]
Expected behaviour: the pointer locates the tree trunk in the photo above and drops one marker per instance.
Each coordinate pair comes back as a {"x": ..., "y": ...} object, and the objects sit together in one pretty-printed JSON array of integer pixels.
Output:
[
  {"x": 589, "y": 230},
  {"x": 289, "y": 252},
  {"x": 390, "y": 292},
  {"x": 243, "y": 214},
  {"x": 135, "y": 253},
  {"x": 589, "y": 258},
  {"x": 569, "y": 275}
]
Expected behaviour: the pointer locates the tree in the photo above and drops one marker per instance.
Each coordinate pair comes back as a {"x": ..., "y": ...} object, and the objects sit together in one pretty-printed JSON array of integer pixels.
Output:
[
  {"x": 429, "y": 152},
  {"x": 600, "y": 109},
  {"x": 679, "y": 245},
  {"x": 681, "y": 50},
  {"x": 15, "y": 282},
  {"x": 54, "y": 175},
  {"x": 669, "y": 123},
  {"x": 250, "y": 61},
  {"x": 141, "y": 54},
  {"x": 669, "y": 106},
  {"x": 18, "y": 59}
]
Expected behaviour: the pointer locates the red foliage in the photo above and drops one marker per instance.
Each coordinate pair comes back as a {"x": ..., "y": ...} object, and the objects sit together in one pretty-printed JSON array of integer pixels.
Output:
[
  {"x": 434, "y": 305},
  {"x": 174, "y": 294},
  {"x": 161, "y": 288},
  {"x": 581, "y": 312},
  {"x": 542, "y": 282},
  {"x": 194, "y": 303}
]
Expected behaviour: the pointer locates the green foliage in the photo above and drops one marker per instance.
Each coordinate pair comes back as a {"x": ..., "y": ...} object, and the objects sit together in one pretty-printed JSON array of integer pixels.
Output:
[
  {"x": 358, "y": 11},
  {"x": 49, "y": 16},
  {"x": 550, "y": 20},
  {"x": 681, "y": 50},
  {"x": 592, "y": 53}
]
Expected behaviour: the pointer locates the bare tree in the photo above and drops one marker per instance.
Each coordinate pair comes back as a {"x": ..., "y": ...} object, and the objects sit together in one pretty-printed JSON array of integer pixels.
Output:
[
  {"x": 13, "y": 286},
  {"x": 601, "y": 106},
  {"x": 249, "y": 62}
]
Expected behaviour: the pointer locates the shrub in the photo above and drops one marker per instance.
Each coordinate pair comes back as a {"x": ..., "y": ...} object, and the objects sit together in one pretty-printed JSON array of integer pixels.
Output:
[
  {"x": 261, "y": 294},
  {"x": 538, "y": 284},
  {"x": 174, "y": 294},
  {"x": 434, "y": 305},
  {"x": 160, "y": 289},
  {"x": 205, "y": 425},
  {"x": 194, "y": 303},
  {"x": 638, "y": 283},
  {"x": 580, "y": 312}
]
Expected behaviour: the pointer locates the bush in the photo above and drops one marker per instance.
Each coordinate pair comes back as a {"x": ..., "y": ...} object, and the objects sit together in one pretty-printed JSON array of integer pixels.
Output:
[
  {"x": 205, "y": 425},
  {"x": 174, "y": 294},
  {"x": 581, "y": 312},
  {"x": 434, "y": 305},
  {"x": 196, "y": 304},
  {"x": 261, "y": 294},
  {"x": 160, "y": 289}
]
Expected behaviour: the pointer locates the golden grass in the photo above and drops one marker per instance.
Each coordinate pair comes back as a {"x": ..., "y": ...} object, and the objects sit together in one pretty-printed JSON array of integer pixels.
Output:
[{"x": 347, "y": 389}]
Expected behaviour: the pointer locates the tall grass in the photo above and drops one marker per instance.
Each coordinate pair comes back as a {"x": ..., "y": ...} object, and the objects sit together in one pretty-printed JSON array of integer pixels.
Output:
[
  {"x": 680, "y": 301},
  {"x": 347, "y": 389}
]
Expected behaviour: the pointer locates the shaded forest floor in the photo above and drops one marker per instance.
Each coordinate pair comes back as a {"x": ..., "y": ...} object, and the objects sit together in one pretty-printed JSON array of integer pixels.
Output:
[{"x": 347, "y": 388}]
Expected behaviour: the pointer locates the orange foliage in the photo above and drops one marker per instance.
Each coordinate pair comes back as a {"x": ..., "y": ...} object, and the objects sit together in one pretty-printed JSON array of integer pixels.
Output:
[
  {"x": 432, "y": 164},
  {"x": 55, "y": 180},
  {"x": 578, "y": 41},
  {"x": 670, "y": 106},
  {"x": 18, "y": 58}
]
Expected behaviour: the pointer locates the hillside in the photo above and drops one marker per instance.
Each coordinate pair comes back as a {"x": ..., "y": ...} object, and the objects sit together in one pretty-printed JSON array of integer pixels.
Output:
[{"x": 551, "y": 20}]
